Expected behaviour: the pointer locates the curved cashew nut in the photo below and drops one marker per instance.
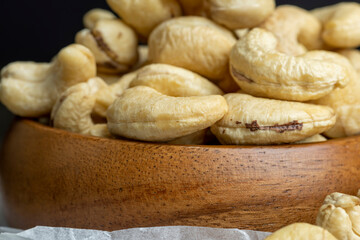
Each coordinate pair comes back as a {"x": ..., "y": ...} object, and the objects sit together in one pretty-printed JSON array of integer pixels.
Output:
[
  {"x": 259, "y": 69},
  {"x": 94, "y": 15},
  {"x": 274, "y": 122},
  {"x": 144, "y": 16},
  {"x": 174, "y": 81},
  {"x": 199, "y": 45},
  {"x": 340, "y": 24},
  {"x": 295, "y": 28},
  {"x": 301, "y": 231},
  {"x": 340, "y": 215},
  {"x": 239, "y": 13},
  {"x": 196, "y": 138},
  {"x": 345, "y": 101},
  {"x": 30, "y": 89},
  {"x": 113, "y": 43},
  {"x": 142, "y": 113},
  {"x": 72, "y": 111}
]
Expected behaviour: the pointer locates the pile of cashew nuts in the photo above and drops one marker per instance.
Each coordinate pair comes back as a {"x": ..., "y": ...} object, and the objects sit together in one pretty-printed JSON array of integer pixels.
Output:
[
  {"x": 191, "y": 71},
  {"x": 338, "y": 219}
]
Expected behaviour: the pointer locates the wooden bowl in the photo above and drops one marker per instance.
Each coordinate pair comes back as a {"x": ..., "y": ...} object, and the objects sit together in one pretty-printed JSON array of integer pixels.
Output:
[{"x": 56, "y": 178}]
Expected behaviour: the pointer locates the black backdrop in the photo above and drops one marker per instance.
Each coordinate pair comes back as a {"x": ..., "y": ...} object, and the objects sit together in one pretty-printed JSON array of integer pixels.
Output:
[{"x": 37, "y": 30}]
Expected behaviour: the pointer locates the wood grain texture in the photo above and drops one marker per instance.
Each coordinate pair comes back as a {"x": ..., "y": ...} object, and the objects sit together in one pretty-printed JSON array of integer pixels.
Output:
[{"x": 55, "y": 178}]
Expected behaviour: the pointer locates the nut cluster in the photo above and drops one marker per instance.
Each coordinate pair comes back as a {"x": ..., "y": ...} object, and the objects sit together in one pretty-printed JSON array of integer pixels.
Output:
[{"x": 243, "y": 72}]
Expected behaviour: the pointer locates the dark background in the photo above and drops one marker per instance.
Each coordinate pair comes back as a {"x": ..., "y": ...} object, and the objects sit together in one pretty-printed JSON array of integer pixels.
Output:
[{"x": 37, "y": 30}]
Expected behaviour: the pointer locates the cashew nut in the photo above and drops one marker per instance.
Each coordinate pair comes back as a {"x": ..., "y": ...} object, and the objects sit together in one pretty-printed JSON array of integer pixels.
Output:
[
  {"x": 72, "y": 110},
  {"x": 345, "y": 101},
  {"x": 260, "y": 70},
  {"x": 143, "y": 113},
  {"x": 340, "y": 24},
  {"x": 296, "y": 29},
  {"x": 301, "y": 231},
  {"x": 144, "y": 16},
  {"x": 194, "y": 43},
  {"x": 113, "y": 43},
  {"x": 174, "y": 81},
  {"x": 252, "y": 120},
  {"x": 236, "y": 14},
  {"x": 30, "y": 89},
  {"x": 94, "y": 15},
  {"x": 340, "y": 215}
]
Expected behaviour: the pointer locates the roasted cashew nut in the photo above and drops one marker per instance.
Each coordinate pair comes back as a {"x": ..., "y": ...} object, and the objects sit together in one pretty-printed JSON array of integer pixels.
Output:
[
  {"x": 113, "y": 43},
  {"x": 301, "y": 231},
  {"x": 72, "y": 111},
  {"x": 94, "y": 15},
  {"x": 236, "y": 14},
  {"x": 144, "y": 16},
  {"x": 143, "y": 113},
  {"x": 30, "y": 89},
  {"x": 340, "y": 24},
  {"x": 345, "y": 101},
  {"x": 174, "y": 81},
  {"x": 252, "y": 120},
  {"x": 296, "y": 29},
  {"x": 193, "y": 43},
  {"x": 260, "y": 70},
  {"x": 340, "y": 215}
]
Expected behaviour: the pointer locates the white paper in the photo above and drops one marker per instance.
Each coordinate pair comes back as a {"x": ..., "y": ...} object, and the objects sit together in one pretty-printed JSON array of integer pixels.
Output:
[{"x": 153, "y": 233}]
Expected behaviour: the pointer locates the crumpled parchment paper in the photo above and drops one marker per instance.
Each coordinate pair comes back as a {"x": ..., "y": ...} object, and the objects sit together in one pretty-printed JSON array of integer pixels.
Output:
[{"x": 153, "y": 233}]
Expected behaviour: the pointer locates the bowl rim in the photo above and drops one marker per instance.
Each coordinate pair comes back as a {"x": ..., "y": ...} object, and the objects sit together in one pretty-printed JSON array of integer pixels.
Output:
[{"x": 52, "y": 130}]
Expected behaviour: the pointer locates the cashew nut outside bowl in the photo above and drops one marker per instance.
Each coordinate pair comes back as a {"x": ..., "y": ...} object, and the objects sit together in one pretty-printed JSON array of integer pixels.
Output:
[
  {"x": 30, "y": 89},
  {"x": 301, "y": 231},
  {"x": 340, "y": 215}
]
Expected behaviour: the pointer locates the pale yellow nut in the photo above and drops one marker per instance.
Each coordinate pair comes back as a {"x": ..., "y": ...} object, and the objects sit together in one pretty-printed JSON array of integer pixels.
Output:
[
  {"x": 143, "y": 113},
  {"x": 196, "y": 138},
  {"x": 193, "y": 43},
  {"x": 72, "y": 110},
  {"x": 345, "y": 101},
  {"x": 193, "y": 7},
  {"x": 252, "y": 120},
  {"x": 30, "y": 89},
  {"x": 144, "y": 16},
  {"x": 340, "y": 24},
  {"x": 301, "y": 231},
  {"x": 236, "y": 14},
  {"x": 174, "y": 81},
  {"x": 94, "y": 15},
  {"x": 295, "y": 28},
  {"x": 261, "y": 70},
  {"x": 106, "y": 96},
  {"x": 313, "y": 139},
  {"x": 340, "y": 215},
  {"x": 113, "y": 43}
]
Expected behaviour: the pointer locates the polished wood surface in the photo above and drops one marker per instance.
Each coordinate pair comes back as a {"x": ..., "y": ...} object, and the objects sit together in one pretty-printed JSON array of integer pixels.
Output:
[{"x": 56, "y": 178}]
